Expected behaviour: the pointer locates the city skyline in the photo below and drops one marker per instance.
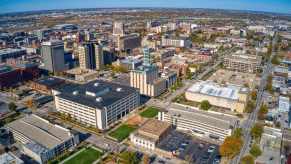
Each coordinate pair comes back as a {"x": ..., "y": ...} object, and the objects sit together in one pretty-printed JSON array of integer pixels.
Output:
[{"x": 282, "y": 6}]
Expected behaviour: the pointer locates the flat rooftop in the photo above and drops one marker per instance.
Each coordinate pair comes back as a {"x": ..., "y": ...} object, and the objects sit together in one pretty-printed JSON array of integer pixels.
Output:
[
  {"x": 154, "y": 127},
  {"x": 49, "y": 81},
  {"x": 10, "y": 50},
  {"x": 96, "y": 94},
  {"x": 220, "y": 120},
  {"x": 40, "y": 131},
  {"x": 213, "y": 89}
]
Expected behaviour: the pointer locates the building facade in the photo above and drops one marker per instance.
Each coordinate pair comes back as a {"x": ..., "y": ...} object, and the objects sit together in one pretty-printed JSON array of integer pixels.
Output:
[
  {"x": 231, "y": 97},
  {"x": 146, "y": 77},
  {"x": 52, "y": 53},
  {"x": 91, "y": 56},
  {"x": 98, "y": 103},
  {"x": 206, "y": 124},
  {"x": 40, "y": 139},
  {"x": 243, "y": 63}
]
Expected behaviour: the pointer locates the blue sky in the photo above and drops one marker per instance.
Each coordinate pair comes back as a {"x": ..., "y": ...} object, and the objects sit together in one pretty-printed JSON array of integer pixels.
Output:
[{"x": 281, "y": 6}]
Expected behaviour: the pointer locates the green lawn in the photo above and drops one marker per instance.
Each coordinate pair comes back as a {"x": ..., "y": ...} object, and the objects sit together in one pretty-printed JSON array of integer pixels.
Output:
[
  {"x": 150, "y": 112},
  {"x": 122, "y": 132},
  {"x": 87, "y": 156}
]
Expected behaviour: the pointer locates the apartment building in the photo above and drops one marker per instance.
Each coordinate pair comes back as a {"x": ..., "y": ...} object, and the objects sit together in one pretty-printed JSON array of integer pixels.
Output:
[
  {"x": 40, "y": 139},
  {"x": 242, "y": 62},
  {"x": 232, "y": 97},
  {"x": 205, "y": 124},
  {"x": 98, "y": 103}
]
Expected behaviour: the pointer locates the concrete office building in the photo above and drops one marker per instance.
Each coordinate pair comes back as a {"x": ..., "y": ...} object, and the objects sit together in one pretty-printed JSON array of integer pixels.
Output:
[
  {"x": 230, "y": 96},
  {"x": 91, "y": 56},
  {"x": 146, "y": 77},
  {"x": 52, "y": 53},
  {"x": 206, "y": 124},
  {"x": 40, "y": 139},
  {"x": 98, "y": 103},
  {"x": 128, "y": 42},
  {"x": 175, "y": 42},
  {"x": 118, "y": 28},
  {"x": 242, "y": 62},
  {"x": 10, "y": 53},
  {"x": 150, "y": 134}
]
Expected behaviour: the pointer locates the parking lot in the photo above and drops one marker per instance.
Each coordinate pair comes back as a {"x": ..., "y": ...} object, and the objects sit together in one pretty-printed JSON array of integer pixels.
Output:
[{"x": 187, "y": 148}]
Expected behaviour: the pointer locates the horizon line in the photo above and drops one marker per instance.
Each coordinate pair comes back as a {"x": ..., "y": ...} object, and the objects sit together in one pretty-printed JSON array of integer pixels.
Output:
[{"x": 226, "y": 9}]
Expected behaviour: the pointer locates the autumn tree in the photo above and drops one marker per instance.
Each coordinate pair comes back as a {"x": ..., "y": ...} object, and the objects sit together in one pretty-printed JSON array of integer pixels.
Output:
[
  {"x": 230, "y": 147},
  {"x": 254, "y": 95},
  {"x": 255, "y": 150},
  {"x": 262, "y": 112},
  {"x": 250, "y": 107},
  {"x": 257, "y": 131},
  {"x": 248, "y": 159}
]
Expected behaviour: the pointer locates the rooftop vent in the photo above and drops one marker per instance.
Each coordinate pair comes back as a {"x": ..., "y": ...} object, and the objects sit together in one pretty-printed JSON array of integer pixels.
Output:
[
  {"x": 99, "y": 99},
  {"x": 118, "y": 89},
  {"x": 96, "y": 84},
  {"x": 75, "y": 92}
]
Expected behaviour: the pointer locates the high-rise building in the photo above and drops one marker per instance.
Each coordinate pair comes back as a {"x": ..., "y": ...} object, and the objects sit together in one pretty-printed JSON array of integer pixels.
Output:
[
  {"x": 146, "y": 77},
  {"x": 118, "y": 28},
  {"x": 128, "y": 42},
  {"x": 52, "y": 53},
  {"x": 91, "y": 56}
]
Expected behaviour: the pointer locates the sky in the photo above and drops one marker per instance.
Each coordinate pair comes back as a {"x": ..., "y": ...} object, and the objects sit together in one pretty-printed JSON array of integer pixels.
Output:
[{"x": 279, "y": 6}]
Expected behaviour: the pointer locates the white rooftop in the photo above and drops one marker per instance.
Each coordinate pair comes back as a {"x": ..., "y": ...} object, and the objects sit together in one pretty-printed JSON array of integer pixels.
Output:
[{"x": 213, "y": 89}]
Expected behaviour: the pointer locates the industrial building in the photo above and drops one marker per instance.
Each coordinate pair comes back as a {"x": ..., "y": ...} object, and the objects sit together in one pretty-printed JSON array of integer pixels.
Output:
[
  {"x": 98, "y": 103},
  {"x": 229, "y": 96},
  {"x": 40, "y": 139},
  {"x": 211, "y": 125}
]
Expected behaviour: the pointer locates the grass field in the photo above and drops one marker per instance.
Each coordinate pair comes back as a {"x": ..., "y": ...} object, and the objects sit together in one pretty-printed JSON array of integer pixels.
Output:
[
  {"x": 88, "y": 156},
  {"x": 122, "y": 132},
  {"x": 150, "y": 112}
]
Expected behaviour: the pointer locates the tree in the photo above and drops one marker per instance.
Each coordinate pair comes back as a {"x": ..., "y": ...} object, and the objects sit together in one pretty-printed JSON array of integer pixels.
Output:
[
  {"x": 250, "y": 107},
  {"x": 257, "y": 131},
  {"x": 146, "y": 159},
  {"x": 262, "y": 112},
  {"x": 255, "y": 150},
  {"x": 205, "y": 105},
  {"x": 29, "y": 103},
  {"x": 254, "y": 95},
  {"x": 129, "y": 158},
  {"x": 248, "y": 159},
  {"x": 237, "y": 132},
  {"x": 12, "y": 106},
  {"x": 230, "y": 147}
]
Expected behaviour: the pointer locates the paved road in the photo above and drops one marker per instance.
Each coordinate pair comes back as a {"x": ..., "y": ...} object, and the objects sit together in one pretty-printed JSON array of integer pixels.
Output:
[{"x": 253, "y": 116}]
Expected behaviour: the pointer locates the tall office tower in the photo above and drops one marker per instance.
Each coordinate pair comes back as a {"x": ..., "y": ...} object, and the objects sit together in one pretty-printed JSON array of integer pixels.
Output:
[
  {"x": 147, "y": 59},
  {"x": 52, "y": 53},
  {"x": 91, "y": 56},
  {"x": 118, "y": 28},
  {"x": 146, "y": 77}
]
